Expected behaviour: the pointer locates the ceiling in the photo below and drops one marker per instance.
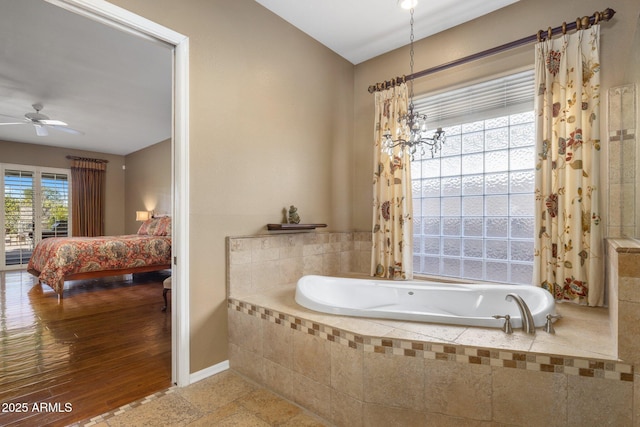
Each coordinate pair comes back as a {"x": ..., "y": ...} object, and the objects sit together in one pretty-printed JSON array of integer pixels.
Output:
[
  {"x": 115, "y": 87},
  {"x": 361, "y": 29},
  {"x": 112, "y": 86}
]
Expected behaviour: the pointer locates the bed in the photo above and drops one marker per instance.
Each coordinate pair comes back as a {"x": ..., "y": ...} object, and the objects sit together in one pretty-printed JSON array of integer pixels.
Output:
[{"x": 58, "y": 259}]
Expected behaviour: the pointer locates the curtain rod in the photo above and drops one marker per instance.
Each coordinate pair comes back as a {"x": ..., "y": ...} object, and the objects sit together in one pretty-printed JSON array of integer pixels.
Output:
[
  {"x": 579, "y": 23},
  {"x": 87, "y": 159}
]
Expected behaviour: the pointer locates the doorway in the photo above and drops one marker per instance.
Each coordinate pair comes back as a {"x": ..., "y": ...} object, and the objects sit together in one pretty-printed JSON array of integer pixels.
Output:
[{"x": 124, "y": 20}]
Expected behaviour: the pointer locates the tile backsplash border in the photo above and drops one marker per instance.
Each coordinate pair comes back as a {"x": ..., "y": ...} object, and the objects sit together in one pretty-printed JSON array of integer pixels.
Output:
[{"x": 503, "y": 358}]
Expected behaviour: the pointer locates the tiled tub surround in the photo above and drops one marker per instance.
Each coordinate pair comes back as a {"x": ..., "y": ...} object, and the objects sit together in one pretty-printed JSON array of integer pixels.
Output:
[
  {"x": 624, "y": 297},
  {"x": 277, "y": 261},
  {"x": 365, "y": 372},
  {"x": 622, "y": 148}
]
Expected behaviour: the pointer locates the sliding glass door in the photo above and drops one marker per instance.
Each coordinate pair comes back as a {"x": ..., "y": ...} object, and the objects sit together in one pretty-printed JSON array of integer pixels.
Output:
[{"x": 36, "y": 206}]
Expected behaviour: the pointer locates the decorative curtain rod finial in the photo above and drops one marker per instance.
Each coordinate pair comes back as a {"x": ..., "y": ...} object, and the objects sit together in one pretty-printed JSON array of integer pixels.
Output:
[{"x": 607, "y": 14}]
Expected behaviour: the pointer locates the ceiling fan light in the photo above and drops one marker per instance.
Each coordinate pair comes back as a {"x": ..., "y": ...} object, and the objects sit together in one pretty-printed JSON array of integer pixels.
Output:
[
  {"x": 41, "y": 130},
  {"x": 408, "y": 4}
]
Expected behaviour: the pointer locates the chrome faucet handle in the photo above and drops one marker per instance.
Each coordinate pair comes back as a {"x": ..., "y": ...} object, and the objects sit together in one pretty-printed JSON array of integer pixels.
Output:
[
  {"x": 548, "y": 327},
  {"x": 506, "y": 328}
]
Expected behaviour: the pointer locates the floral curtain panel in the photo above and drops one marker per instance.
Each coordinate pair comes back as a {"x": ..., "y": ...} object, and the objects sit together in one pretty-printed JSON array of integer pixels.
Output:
[
  {"x": 568, "y": 245},
  {"x": 392, "y": 247}
]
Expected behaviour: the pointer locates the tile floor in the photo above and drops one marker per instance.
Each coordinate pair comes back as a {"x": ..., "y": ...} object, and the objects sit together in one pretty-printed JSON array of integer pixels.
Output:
[{"x": 225, "y": 399}]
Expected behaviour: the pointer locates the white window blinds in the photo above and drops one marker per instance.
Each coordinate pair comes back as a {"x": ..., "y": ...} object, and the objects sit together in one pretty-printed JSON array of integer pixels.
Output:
[{"x": 499, "y": 97}]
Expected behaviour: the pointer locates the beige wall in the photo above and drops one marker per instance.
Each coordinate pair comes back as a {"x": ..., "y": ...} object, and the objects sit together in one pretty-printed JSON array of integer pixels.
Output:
[
  {"x": 54, "y": 157},
  {"x": 511, "y": 23},
  {"x": 632, "y": 70},
  {"x": 270, "y": 126},
  {"x": 148, "y": 178}
]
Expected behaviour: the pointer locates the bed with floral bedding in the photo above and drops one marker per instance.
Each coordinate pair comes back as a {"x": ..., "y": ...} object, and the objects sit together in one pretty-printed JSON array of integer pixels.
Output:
[{"x": 57, "y": 259}]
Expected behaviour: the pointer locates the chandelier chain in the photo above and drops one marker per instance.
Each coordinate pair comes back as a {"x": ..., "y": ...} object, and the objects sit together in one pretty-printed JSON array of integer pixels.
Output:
[
  {"x": 411, "y": 62},
  {"x": 413, "y": 124}
]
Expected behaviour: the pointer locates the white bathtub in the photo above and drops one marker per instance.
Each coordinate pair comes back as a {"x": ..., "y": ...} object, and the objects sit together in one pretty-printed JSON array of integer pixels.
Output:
[{"x": 423, "y": 301}]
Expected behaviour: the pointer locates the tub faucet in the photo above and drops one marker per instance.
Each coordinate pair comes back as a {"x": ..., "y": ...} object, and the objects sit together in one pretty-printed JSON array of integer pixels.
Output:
[
  {"x": 527, "y": 319},
  {"x": 548, "y": 327},
  {"x": 506, "y": 328}
]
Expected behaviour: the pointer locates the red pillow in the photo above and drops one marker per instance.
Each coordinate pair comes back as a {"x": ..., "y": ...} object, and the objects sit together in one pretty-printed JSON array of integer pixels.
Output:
[{"x": 159, "y": 226}]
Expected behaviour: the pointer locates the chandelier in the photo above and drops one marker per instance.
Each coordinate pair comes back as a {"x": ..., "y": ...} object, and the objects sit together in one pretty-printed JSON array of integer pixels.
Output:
[{"x": 414, "y": 124}]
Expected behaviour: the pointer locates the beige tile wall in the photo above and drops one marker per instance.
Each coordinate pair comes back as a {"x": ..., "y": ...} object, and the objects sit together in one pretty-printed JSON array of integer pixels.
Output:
[
  {"x": 357, "y": 380},
  {"x": 624, "y": 299},
  {"x": 622, "y": 154},
  {"x": 612, "y": 287},
  {"x": 267, "y": 262}
]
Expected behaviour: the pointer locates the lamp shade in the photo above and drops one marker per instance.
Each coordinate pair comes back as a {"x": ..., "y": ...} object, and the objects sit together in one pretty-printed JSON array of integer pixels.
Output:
[{"x": 142, "y": 215}]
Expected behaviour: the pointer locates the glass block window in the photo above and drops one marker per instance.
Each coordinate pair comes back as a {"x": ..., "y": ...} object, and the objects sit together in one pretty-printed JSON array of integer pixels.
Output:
[{"x": 474, "y": 201}]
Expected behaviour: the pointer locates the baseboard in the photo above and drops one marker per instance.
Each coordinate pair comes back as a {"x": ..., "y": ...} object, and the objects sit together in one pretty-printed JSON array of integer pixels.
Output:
[{"x": 208, "y": 372}]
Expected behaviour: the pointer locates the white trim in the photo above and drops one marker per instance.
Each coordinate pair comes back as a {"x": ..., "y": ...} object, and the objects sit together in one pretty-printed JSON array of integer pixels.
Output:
[
  {"x": 180, "y": 306},
  {"x": 109, "y": 14},
  {"x": 116, "y": 17},
  {"x": 210, "y": 371}
]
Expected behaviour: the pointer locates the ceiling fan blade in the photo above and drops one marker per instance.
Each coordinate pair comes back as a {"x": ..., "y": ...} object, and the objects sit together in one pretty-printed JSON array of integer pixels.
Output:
[
  {"x": 66, "y": 129},
  {"x": 41, "y": 130},
  {"x": 42, "y": 122},
  {"x": 11, "y": 117},
  {"x": 52, "y": 122}
]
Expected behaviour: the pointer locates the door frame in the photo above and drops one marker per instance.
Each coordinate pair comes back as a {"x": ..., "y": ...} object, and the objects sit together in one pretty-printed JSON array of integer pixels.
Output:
[{"x": 114, "y": 16}]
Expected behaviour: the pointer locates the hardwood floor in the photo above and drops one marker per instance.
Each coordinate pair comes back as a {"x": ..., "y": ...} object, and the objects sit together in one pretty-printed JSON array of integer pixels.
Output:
[{"x": 107, "y": 343}]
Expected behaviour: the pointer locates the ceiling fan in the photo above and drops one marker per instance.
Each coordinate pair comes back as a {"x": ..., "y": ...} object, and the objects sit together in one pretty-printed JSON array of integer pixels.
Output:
[{"x": 42, "y": 122}]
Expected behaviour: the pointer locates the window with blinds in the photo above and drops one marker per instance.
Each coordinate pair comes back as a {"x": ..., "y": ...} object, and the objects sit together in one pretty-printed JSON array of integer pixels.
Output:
[
  {"x": 36, "y": 206},
  {"x": 473, "y": 202},
  {"x": 19, "y": 216},
  {"x": 54, "y": 217}
]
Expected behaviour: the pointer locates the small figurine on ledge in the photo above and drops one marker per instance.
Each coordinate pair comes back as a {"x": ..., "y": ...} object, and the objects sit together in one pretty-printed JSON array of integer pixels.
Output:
[{"x": 294, "y": 218}]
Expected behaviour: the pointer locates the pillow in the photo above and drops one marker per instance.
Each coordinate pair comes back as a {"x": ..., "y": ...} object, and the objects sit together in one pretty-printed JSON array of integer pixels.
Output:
[{"x": 157, "y": 226}]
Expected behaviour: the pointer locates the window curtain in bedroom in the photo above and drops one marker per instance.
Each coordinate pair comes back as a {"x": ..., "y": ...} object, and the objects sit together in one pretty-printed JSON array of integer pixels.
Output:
[
  {"x": 392, "y": 246},
  {"x": 568, "y": 247},
  {"x": 87, "y": 197}
]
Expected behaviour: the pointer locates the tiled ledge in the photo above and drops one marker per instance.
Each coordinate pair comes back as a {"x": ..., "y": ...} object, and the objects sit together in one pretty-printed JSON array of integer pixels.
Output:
[
  {"x": 623, "y": 278},
  {"x": 625, "y": 245},
  {"x": 583, "y": 367}
]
